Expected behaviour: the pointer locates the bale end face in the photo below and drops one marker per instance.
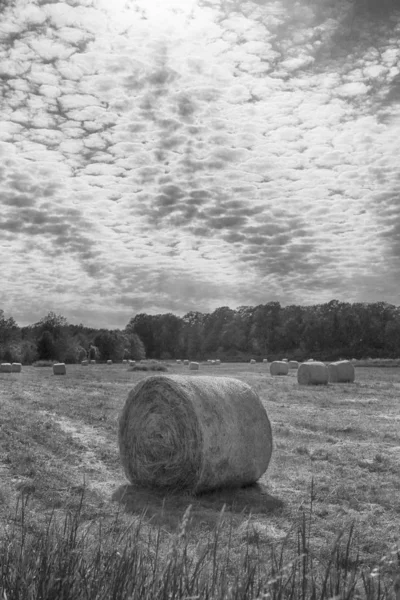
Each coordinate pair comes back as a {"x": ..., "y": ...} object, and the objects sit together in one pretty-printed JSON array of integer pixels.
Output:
[{"x": 313, "y": 373}]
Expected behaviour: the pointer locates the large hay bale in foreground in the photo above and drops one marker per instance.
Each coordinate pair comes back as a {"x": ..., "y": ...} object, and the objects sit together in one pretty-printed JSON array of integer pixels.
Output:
[
  {"x": 194, "y": 366},
  {"x": 16, "y": 367},
  {"x": 279, "y": 367},
  {"x": 293, "y": 364},
  {"x": 59, "y": 369},
  {"x": 5, "y": 368},
  {"x": 313, "y": 373},
  {"x": 196, "y": 434},
  {"x": 341, "y": 371}
]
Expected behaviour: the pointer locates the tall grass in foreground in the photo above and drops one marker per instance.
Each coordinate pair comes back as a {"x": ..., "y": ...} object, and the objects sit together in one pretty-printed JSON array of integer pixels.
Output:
[{"x": 70, "y": 559}]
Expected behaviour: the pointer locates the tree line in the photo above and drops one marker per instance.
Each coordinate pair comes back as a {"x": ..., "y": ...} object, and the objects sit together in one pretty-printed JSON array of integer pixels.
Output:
[{"x": 323, "y": 331}]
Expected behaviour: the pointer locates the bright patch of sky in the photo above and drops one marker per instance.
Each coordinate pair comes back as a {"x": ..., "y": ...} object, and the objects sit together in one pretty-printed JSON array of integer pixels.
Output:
[{"x": 189, "y": 154}]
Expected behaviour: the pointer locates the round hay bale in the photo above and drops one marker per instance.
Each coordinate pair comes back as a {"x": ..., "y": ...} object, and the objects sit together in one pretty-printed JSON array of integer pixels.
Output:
[
  {"x": 313, "y": 373},
  {"x": 84, "y": 363},
  {"x": 293, "y": 364},
  {"x": 179, "y": 362},
  {"x": 92, "y": 362},
  {"x": 265, "y": 360},
  {"x": 341, "y": 371},
  {"x": 194, "y": 366},
  {"x": 132, "y": 362},
  {"x": 196, "y": 434},
  {"x": 252, "y": 361},
  {"x": 109, "y": 362},
  {"x": 124, "y": 361},
  {"x": 217, "y": 362},
  {"x": 186, "y": 362},
  {"x": 16, "y": 367},
  {"x": 279, "y": 367},
  {"x": 5, "y": 368},
  {"x": 59, "y": 369},
  {"x": 285, "y": 359}
]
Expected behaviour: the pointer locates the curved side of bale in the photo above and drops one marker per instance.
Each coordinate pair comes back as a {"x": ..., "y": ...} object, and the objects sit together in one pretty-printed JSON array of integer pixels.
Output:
[
  {"x": 194, "y": 366},
  {"x": 279, "y": 367},
  {"x": 59, "y": 369},
  {"x": 293, "y": 364},
  {"x": 200, "y": 434},
  {"x": 313, "y": 373},
  {"x": 341, "y": 371}
]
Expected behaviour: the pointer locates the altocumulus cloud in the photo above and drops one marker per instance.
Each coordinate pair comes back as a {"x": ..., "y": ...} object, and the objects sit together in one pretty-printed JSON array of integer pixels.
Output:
[{"x": 186, "y": 155}]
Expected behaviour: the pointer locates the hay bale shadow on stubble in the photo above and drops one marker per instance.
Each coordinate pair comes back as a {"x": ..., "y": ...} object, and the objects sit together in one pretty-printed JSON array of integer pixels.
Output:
[{"x": 167, "y": 508}]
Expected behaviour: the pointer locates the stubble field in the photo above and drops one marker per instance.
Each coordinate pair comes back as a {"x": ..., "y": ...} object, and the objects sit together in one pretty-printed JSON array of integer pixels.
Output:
[{"x": 335, "y": 465}]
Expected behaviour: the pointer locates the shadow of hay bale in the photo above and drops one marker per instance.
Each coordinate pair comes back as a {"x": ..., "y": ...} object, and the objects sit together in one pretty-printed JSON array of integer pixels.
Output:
[{"x": 167, "y": 509}]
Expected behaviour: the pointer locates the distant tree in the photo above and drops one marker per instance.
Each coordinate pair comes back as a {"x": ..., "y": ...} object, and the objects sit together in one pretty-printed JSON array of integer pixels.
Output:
[
  {"x": 111, "y": 344},
  {"x": 134, "y": 347},
  {"x": 46, "y": 347}
]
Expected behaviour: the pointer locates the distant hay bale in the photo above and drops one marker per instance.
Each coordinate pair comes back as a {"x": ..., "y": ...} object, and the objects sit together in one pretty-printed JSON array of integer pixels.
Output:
[
  {"x": 217, "y": 362},
  {"x": 285, "y": 359},
  {"x": 59, "y": 369},
  {"x": 16, "y": 367},
  {"x": 194, "y": 366},
  {"x": 310, "y": 360},
  {"x": 279, "y": 367},
  {"x": 92, "y": 362},
  {"x": 293, "y": 364},
  {"x": 124, "y": 361},
  {"x": 315, "y": 373},
  {"x": 179, "y": 362},
  {"x": 109, "y": 362},
  {"x": 265, "y": 360},
  {"x": 186, "y": 362},
  {"x": 85, "y": 363},
  {"x": 5, "y": 368},
  {"x": 194, "y": 434},
  {"x": 252, "y": 361},
  {"x": 341, "y": 371},
  {"x": 132, "y": 363}
]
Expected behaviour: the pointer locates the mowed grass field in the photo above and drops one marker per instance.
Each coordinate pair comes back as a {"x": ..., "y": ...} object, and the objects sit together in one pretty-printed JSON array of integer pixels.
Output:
[{"x": 335, "y": 463}]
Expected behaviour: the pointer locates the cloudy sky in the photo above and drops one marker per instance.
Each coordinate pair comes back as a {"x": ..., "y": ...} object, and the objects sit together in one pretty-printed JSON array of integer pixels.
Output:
[{"x": 176, "y": 155}]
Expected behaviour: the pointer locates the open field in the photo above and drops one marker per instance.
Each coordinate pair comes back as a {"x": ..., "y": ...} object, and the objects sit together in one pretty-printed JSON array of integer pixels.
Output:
[{"x": 336, "y": 461}]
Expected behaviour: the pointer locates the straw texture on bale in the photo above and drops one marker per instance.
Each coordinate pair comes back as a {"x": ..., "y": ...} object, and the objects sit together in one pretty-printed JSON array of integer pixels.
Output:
[
  {"x": 341, "y": 371},
  {"x": 5, "y": 368},
  {"x": 16, "y": 367},
  {"x": 59, "y": 369},
  {"x": 279, "y": 367},
  {"x": 314, "y": 373},
  {"x": 200, "y": 434},
  {"x": 293, "y": 364},
  {"x": 194, "y": 366}
]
